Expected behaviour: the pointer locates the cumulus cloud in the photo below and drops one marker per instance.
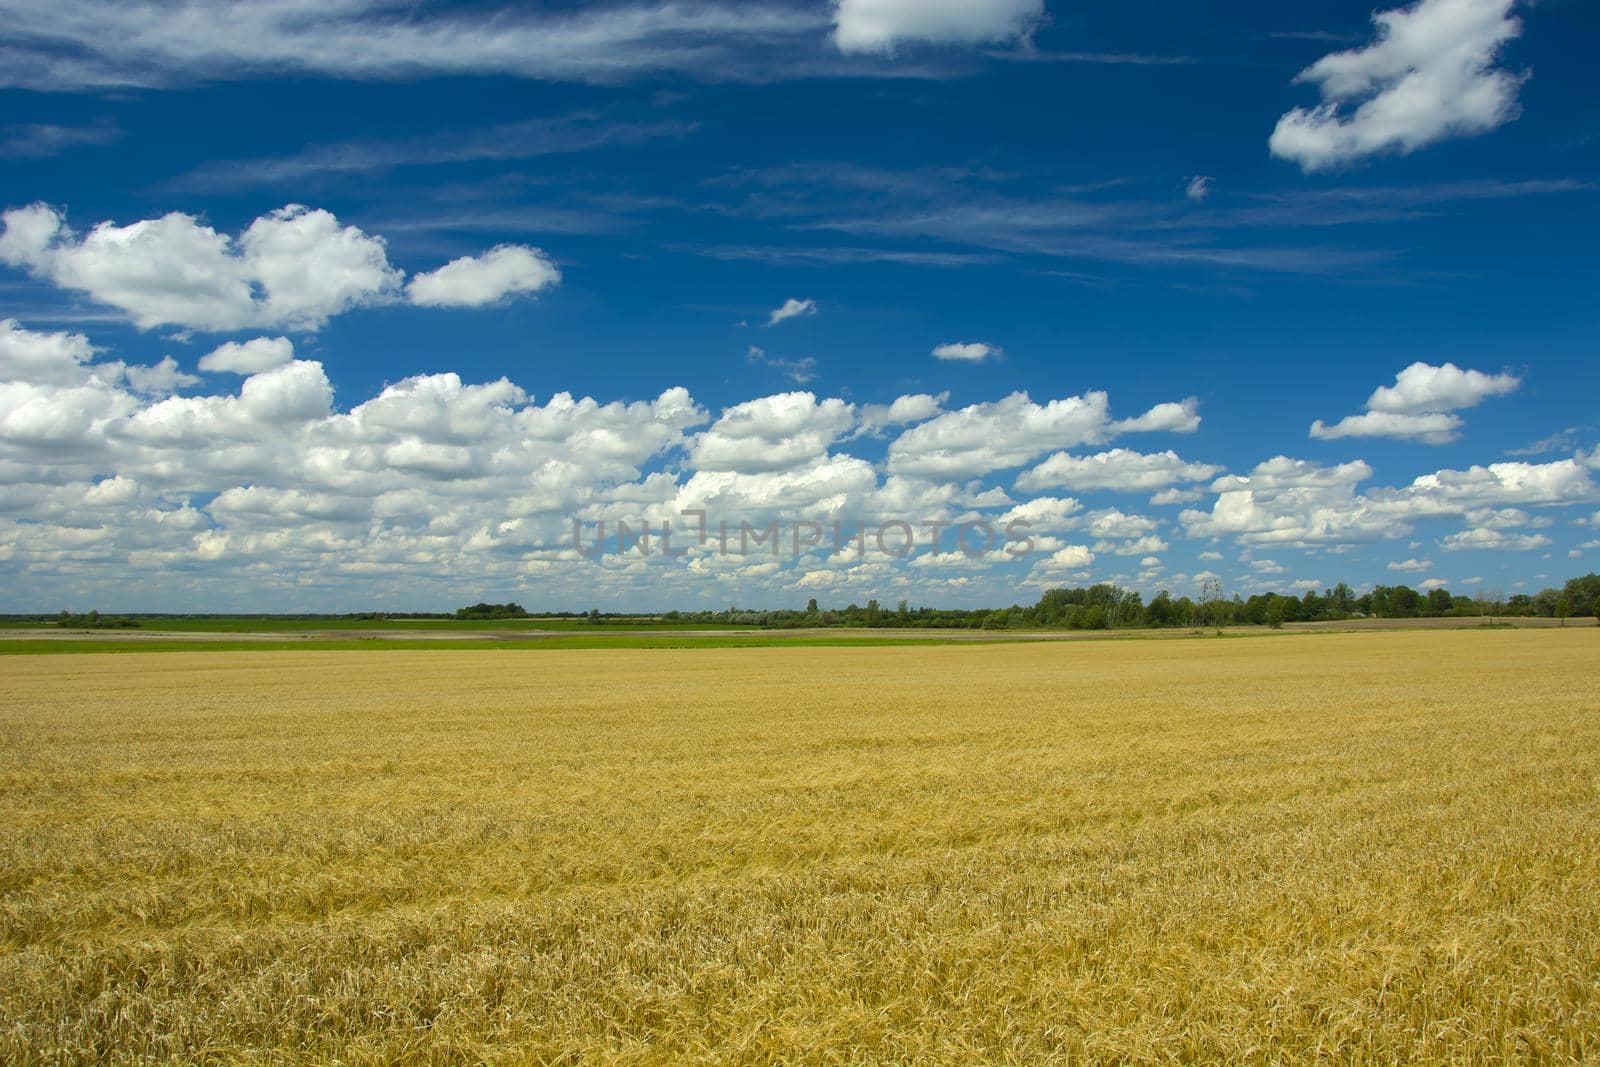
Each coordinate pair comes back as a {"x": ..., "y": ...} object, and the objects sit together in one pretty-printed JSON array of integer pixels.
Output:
[
  {"x": 1281, "y": 472},
  {"x": 1429, "y": 429},
  {"x": 293, "y": 268},
  {"x": 1045, "y": 514},
  {"x": 1490, "y": 538},
  {"x": 248, "y": 357},
  {"x": 266, "y": 484},
  {"x": 1430, "y": 75},
  {"x": 773, "y": 433},
  {"x": 994, "y": 436},
  {"x": 1421, "y": 388},
  {"x": 174, "y": 270},
  {"x": 1119, "y": 470},
  {"x": 1411, "y": 565},
  {"x": 967, "y": 352},
  {"x": 160, "y": 378},
  {"x": 66, "y": 359},
  {"x": 473, "y": 281},
  {"x": 44, "y": 358},
  {"x": 1008, "y": 433},
  {"x": 903, "y": 411},
  {"x": 1178, "y": 417},
  {"x": 792, "y": 308},
  {"x": 1296, "y": 503},
  {"x": 880, "y": 25},
  {"x": 1199, "y": 187},
  {"x": 1419, "y": 405},
  {"x": 1176, "y": 496}
]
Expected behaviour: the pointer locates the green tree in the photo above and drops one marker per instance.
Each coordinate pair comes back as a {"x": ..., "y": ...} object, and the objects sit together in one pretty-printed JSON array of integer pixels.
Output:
[{"x": 1161, "y": 611}]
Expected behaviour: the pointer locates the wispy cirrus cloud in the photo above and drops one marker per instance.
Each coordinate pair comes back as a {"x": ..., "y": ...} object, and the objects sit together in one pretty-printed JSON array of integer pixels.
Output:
[
  {"x": 85, "y": 45},
  {"x": 560, "y": 135},
  {"x": 42, "y": 140}
]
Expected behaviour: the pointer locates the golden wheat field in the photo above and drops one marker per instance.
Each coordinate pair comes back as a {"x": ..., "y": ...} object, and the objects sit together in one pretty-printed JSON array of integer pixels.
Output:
[{"x": 1362, "y": 847}]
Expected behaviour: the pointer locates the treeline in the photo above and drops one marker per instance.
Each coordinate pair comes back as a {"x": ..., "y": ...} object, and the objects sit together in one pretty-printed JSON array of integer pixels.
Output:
[
  {"x": 93, "y": 620},
  {"x": 1110, "y": 607},
  {"x": 480, "y": 610},
  {"x": 1096, "y": 607}
]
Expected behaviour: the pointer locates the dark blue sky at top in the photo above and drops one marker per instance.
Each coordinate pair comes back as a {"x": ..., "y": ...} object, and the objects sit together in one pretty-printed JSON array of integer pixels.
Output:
[{"x": 723, "y": 198}]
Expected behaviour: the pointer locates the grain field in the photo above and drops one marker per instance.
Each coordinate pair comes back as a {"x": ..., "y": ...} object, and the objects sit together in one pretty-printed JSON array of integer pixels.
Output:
[{"x": 1370, "y": 847}]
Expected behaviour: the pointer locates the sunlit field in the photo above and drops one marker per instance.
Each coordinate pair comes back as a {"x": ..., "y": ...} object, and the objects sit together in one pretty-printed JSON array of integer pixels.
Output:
[{"x": 1374, "y": 847}]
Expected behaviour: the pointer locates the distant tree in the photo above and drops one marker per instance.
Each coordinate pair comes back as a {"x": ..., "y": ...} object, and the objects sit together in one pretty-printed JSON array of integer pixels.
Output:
[
  {"x": 1490, "y": 604},
  {"x": 1160, "y": 611},
  {"x": 1584, "y": 593},
  {"x": 1440, "y": 602},
  {"x": 1211, "y": 603},
  {"x": 811, "y": 606},
  {"x": 1563, "y": 609}
]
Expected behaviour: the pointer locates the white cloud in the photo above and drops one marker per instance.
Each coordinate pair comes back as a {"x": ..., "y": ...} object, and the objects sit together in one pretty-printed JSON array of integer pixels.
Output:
[
  {"x": 1043, "y": 514},
  {"x": 1411, "y": 565},
  {"x": 799, "y": 371},
  {"x": 265, "y": 488},
  {"x": 1450, "y": 492},
  {"x": 791, "y": 308},
  {"x": 43, "y": 358},
  {"x": 1430, "y": 429},
  {"x": 1306, "y": 505},
  {"x": 83, "y": 44},
  {"x": 66, "y": 359},
  {"x": 1418, "y": 406},
  {"x": 1491, "y": 538},
  {"x": 293, "y": 268},
  {"x": 1429, "y": 76},
  {"x": 993, "y": 436},
  {"x": 1428, "y": 585},
  {"x": 1281, "y": 472},
  {"x": 1423, "y": 388},
  {"x": 248, "y": 357},
  {"x": 1168, "y": 497},
  {"x": 1179, "y": 417},
  {"x": 473, "y": 281},
  {"x": 1110, "y": 522},
  {"x": 903, "y": 411},
  {"x": 1562, "y": 441},
  {"x": 1119, "y": 470},
  {"x": 160, "y": 379},
  {"x": 1064, "y": 560},
  {"x": 1199, "y": 187},
  {"x": 173, "y": 270},
  {"x": 879, "y": 25},
  {"x": 773, "y": 433},
  {"x": 969, "y": 352},
  {"x": 1138, "y": 546}
]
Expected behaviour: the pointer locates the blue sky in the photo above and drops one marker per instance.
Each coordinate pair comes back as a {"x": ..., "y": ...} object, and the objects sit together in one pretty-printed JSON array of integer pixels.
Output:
[{"x": 289, "y": 290}]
